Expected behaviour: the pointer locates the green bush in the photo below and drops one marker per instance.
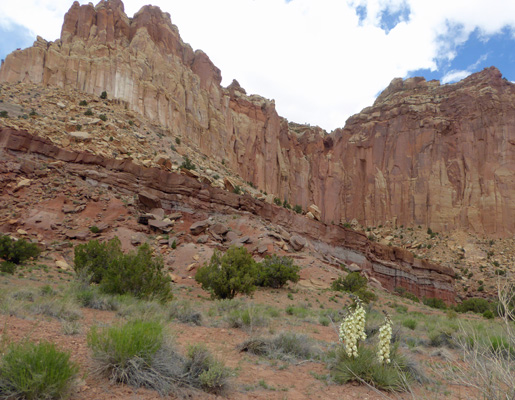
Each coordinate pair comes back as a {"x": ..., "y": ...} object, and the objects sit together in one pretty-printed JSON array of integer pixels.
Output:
[
  {"x": 93, "y": 258},
  {"x": 8, "y": 267},
  {"x": 410, "y": 323},
  {"x": 188, "y": 164},
  {"x": 36, "y": 371},
  {"x": 277, "y": 201},
  {"x": 103, "y": 117},
  {"x": 366, "y": 296},
  {"x": 225, "y": 276},
  {"x": 407, "y": 295},
  {"x": 88, "y": 112},
  {"x": 17, "y": 251},
  {"x": 475, "y": 304},
  {"x": 353, "y": 282},
  {"x": 138, "y": 274},
  {"x": 103, "y": 96},
  {"x": 275, "y": 271},
  {"x": 298, "y": 209},
  {"x": 4, "y": 114},
  {"x": 83, "y": 103},
  {"x": 433, "y": 302}
]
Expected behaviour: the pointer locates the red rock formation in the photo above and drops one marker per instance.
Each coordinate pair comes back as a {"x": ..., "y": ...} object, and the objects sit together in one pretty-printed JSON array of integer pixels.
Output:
[
  {"x": 393, "y": 267},
  {"x": 439, "y": 156}
]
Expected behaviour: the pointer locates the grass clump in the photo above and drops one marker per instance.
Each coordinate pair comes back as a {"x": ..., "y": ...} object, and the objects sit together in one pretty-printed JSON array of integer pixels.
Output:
[
  {"x": 140, "y": 354},
  {"x": 36, "y": 371},
  {"x": 275, "y": 271},
  {"x": 16, "y": 251},
  {"x": 229, "y": 274},
  {"x": 394, "y": 376},
  {"x": 204, "y": 372},
  {"x": 287, "y": 346}
]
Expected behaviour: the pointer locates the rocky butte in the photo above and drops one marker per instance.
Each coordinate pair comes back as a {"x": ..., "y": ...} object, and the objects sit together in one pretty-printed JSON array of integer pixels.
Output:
[{"x": 441, "y": 156}]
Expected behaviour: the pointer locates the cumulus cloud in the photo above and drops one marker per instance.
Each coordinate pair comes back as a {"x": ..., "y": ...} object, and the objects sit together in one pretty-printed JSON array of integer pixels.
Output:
[{"x": 323, "y": 60}]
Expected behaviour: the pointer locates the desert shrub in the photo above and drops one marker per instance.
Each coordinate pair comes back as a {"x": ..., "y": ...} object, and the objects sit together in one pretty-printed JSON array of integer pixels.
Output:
[
  {"x": 366, "y": 296},
  {"x": 88, "y": 112},
  {"x": 277, "y": 201},
  {"x": 441, "y": 337},
  {"x": 353, "y": 282},
  {"x": 83, "y": 103},
  {"x": 93, "y": 258},
  {"x": 185, "y": 313},
  {"x": 204, "y": 371},
  {"x": 8, "y": 267},
  {"x": 103, "y": 96},
  {"x": 433, "y": 302},
  {"x": 248, "y": 317},
  {"x": 394, "y": 376},
  {"x": 91, "y": 298},
  {"x": 141, "y": 354},
  {"x": 103, "y": 117},
  {"x": 229, "y": 274},
  {"x": 285, "y": 346},
  {"x": 475, "y": 304},
  {"x": 275, "y": 271},
  {"x": 138, "y": 274},
  {"x": 4, "y": 114},
  {"x": 17, "y": 251},
  {"x": 488, "y": 314},
  {"x": 410, "y": 323},
  {"x": 36, "y": 371},
  {"x": 188, "y": 164},
  {"x": 407, "y": 295},
  {"x": 299, "y": 311},
  {"x": 297, "y": 208},
  {"x": 125, "y": 354}
]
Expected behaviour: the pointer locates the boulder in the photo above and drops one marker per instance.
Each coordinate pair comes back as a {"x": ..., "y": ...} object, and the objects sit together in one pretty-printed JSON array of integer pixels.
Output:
[
  {"x": 297, "y": 242},
  {"x": 315, "y": 211},
  {"x": 198, "y": 227},
  {"x": 149, "y": 200}
]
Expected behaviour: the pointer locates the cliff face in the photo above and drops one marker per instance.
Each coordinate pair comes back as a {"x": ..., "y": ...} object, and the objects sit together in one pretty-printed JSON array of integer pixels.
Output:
[
  {"x": 392, "y": 266},
  {"x": 441, "y": 156}
]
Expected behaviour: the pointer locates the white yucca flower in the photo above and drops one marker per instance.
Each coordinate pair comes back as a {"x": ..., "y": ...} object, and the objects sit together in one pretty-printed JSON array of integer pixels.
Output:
[
  {"x": 385, "y": 337},
  {"x": 352, "y": 329}
]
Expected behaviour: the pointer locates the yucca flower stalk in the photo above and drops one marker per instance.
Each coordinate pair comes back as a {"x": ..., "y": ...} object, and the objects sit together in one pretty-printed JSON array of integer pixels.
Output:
[
  {"x": 385, "y": 337},
  {"x": 352, "y": 329}
]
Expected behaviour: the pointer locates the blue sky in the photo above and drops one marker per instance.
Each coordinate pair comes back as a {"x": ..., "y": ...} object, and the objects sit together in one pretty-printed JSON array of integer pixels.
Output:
[{"x": 321, "y": 60}]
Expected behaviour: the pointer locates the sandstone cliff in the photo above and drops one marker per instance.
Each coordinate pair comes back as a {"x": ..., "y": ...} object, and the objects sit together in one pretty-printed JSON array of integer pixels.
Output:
[
  {"x": 436, "y": 155},
  {"x": 392, "y": 266}
]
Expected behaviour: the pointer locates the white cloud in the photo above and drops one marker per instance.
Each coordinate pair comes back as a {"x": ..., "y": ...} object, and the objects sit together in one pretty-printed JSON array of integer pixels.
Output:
[
  {"x": 454, "y": 76},
  {"x": 315, "y": 59}
]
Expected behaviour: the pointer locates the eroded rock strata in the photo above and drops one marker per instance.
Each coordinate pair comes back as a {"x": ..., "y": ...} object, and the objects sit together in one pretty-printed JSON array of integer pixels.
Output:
[
  {"x": 441, "y": 156},
  {"x": 392, "y": 266}
]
